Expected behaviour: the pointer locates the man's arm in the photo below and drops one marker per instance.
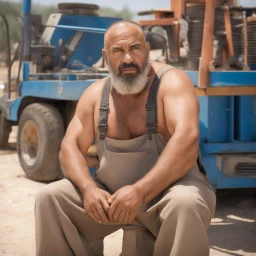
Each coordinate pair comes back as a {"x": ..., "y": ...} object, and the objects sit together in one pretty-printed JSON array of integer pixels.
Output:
[
  {"x": 181, "y": 110},
  {"x": 78, "y": 138}
]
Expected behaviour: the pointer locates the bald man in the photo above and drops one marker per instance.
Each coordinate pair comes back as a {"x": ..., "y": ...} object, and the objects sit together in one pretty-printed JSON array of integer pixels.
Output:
[{"x": 144, "y": 119}]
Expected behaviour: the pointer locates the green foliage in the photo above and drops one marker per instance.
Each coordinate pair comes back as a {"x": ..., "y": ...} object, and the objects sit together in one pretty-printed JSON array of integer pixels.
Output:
[
  {"x": 12, "y": 10},
  {"x": 125, "y": 13},
  {"x": 44, "y": 10}
]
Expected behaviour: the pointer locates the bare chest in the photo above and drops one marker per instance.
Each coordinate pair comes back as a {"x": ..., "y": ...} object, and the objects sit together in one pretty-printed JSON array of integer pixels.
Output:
[{"x": 126, "y": 120}]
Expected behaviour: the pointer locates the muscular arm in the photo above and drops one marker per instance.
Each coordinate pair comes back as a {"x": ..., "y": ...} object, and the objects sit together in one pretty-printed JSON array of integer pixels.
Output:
[
  {"x": 181, "y": 110},
  {"x": 77, "y": 140}
]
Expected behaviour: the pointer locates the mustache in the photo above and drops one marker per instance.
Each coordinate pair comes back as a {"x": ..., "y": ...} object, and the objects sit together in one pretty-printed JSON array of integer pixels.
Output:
[{"x": 130, "y": 65}]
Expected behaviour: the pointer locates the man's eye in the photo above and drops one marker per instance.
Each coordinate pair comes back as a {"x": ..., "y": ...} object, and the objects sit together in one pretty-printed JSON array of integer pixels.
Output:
[
  {"x": 117, "y": 50},
  {"x": 135, "y": 47}
]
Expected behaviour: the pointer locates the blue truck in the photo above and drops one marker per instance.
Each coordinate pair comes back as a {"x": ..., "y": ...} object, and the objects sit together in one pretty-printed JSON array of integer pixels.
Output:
[{"x": 57, "y": 66}]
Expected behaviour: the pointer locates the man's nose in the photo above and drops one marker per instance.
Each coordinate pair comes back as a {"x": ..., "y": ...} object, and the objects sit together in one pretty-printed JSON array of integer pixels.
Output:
[{"x": 127, "y": 58}]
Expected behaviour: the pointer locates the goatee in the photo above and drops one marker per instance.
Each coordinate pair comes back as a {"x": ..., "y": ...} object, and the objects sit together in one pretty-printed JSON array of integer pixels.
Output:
[{"x": 130, "y": 83}]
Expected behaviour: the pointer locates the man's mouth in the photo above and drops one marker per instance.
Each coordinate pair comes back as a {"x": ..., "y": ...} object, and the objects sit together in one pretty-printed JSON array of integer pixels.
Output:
[{"x": 129, "y": 70}]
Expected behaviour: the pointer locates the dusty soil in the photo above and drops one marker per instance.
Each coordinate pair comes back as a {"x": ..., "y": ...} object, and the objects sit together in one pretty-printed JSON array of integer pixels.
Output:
[{"x": 233, "y": 230}]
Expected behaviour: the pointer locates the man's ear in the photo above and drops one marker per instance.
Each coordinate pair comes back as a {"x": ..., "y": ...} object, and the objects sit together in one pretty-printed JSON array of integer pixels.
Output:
[
  {"x": 148, "y": 47},
  {"x": 104, "y": 54}
]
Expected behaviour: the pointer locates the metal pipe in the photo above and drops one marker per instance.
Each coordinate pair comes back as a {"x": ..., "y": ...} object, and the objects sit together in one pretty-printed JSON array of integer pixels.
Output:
[
  {"x": 26, "y": 17},
  {"x": 77, "y": 28},
  {"x": 245, "y": 66},
  {"x": 26, "y": 6},
  {"x": 21, "y": 55},
  {"x": 8, "y": 54},
  {"x": 207, "y": 45}
]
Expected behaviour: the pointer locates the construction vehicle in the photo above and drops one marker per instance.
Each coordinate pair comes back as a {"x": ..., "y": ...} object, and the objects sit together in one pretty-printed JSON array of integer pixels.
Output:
[{"x": 57, "y": 62}]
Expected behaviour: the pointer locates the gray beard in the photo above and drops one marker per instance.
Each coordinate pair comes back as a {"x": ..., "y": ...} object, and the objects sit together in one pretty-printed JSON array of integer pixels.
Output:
[{"x": 130, "y": 85}]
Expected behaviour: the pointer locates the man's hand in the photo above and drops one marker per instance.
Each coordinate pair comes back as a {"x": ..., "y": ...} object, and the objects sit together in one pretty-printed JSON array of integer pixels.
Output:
[
  {"x": 124, "y": 204},
  {"x": 96, "y": 203}
]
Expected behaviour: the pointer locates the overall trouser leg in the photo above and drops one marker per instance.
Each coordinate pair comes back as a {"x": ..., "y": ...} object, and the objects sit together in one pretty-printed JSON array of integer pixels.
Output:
[
  {"x": 62, "y": 227},
  {"x": 180, "y": 219}
]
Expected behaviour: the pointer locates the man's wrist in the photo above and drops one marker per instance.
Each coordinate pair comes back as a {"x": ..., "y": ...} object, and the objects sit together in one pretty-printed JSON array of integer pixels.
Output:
[
  {"x": 86, "y": 186},
  {"x": 140, "y": 191}
]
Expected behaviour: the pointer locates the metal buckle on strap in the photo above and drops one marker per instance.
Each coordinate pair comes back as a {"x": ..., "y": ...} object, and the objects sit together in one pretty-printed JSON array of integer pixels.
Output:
[
  {"x": 102, "y": 130},
  {"x": 150, "y": 107},
  {"x": 102, "y": 127},
  {"x": 102, "y": 136},
  {"x": 104, "y": 108},
  {"x": 151, "y": 127}
]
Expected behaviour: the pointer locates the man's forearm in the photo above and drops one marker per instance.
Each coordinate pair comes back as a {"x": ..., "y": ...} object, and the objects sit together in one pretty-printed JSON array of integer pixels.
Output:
[
  {"x": 75, "y": 168},
  {"x": 175, "y": 161}
]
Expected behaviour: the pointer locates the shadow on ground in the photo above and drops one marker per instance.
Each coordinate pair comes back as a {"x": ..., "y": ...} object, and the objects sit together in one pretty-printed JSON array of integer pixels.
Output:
[
  {"x": 10, "y": 149},
  {"x": 234, "y": 225}
]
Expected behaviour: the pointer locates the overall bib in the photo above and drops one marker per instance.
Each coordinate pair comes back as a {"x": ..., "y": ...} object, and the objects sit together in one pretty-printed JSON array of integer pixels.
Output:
[{"x": 177, "y": 219}]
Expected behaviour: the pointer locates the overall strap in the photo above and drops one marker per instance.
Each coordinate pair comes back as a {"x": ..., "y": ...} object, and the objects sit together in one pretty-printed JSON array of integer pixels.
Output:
[
  {"x": 151, "y": 105},
  {"x": 104, "y": 109}
]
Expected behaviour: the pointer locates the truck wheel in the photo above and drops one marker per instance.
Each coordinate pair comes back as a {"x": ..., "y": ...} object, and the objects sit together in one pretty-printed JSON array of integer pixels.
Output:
[
  {"x": 5, "y": 129},
  {"x": 78, "y": 8},
  {"x": 39, "y": 138}
]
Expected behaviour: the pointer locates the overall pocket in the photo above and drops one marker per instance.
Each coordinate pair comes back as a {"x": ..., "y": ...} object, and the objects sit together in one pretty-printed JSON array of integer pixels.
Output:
[{"x": 120, "y": 169}]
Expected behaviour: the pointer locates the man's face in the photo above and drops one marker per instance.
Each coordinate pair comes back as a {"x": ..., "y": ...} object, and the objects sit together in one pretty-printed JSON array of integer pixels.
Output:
[{"x": 126, "y": 53}]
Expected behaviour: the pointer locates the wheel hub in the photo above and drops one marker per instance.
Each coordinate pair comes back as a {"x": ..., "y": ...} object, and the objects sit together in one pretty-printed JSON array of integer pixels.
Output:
[{"x": 29, "y": 143}]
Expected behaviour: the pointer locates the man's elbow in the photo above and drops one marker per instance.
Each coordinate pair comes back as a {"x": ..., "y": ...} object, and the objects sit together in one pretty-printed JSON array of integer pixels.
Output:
[
  {"x": 193, "y": 137},
  {"x": 193, "y": 142},
  {"x": 189, "y": 137},
  {"x": 64, "y": 152}
]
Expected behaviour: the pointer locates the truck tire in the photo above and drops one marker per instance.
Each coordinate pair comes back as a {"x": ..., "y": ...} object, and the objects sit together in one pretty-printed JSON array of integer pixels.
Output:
[
  {"x": 78, "y": 8},
  {"x": 5, "y": 129},
  {"x": 40, "y": 133}
]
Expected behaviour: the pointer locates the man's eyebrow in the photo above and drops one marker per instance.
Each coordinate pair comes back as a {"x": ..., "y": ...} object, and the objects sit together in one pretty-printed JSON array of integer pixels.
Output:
[
  {"x": 116, "y": 47},
  {"x": 135, "y": 44}
]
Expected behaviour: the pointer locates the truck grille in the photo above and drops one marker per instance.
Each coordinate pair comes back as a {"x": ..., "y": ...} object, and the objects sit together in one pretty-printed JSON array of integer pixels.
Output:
[{"x": 246, "y": 169}]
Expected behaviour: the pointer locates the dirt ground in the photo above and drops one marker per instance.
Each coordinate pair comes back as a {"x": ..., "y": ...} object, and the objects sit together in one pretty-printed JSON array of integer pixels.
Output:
[{"x": 232, "y": 232}]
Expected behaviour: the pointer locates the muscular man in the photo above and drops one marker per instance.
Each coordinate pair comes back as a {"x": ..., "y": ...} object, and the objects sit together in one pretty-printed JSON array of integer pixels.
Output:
[{"x": 144, "y": 118}]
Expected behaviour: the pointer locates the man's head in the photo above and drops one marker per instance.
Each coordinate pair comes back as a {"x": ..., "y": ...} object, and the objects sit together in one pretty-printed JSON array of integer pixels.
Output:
[{"x": 126, "y": 53}]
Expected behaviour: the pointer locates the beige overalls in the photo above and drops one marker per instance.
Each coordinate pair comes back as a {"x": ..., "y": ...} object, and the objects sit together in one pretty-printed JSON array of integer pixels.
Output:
[{"x": 177, "y": 219}]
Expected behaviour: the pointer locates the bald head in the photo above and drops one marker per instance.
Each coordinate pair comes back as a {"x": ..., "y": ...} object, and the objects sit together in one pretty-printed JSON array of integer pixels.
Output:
[
  {"x": 127, "y": 55},
  {"x": 123, "y": 27}
]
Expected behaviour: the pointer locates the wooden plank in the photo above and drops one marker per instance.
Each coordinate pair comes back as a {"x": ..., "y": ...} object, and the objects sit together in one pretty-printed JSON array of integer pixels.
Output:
[
  {"x": 226, "y": 91},
  {"x": 92, "y": 162},
  {"x": 92, "y": 151},
  {"x": 246, "y": 66},
  {"x": 91, "y": 157},
  {"x": 228, "y": 29},
  {"x": 207, "y": 45},
  {"x": 162, "y": 15},
  {"x": 224, "y": 60},
  {"x": 178, "y": 6},
  {"x": 152, "y": 11},
  {"x": 197, "y": 2},
  {"x": 158, "y": 22},
  {"x": 251, "y": 19}
]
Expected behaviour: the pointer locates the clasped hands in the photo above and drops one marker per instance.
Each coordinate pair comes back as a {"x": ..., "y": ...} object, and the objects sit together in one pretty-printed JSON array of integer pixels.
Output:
[{"x": 121, "y": 207}]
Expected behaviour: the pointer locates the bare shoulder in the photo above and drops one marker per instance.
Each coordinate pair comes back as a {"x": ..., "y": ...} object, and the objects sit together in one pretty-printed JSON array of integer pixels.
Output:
[
  {"x": 91, "y": 96},
  {"x": 176, "y": 82}
]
